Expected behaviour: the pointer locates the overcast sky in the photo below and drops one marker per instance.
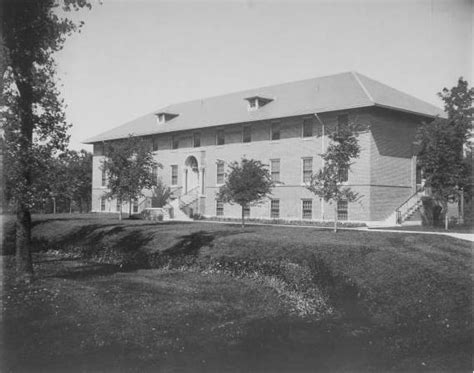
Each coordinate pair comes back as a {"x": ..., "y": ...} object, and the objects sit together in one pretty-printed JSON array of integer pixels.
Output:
[{"x": 133, "y": 57}]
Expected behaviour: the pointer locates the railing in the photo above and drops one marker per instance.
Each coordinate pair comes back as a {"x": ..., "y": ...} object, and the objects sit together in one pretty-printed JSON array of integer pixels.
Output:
[
  {"x": 408, "y": 205},
  {"x": 188, "y": 198}
]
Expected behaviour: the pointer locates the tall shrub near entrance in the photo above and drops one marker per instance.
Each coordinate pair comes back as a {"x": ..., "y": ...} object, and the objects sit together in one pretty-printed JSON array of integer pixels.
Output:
[
  {"x": 129, "y": 166},
  {"x": 247, "y": 183},
  {"x": 328, "y": 182}
]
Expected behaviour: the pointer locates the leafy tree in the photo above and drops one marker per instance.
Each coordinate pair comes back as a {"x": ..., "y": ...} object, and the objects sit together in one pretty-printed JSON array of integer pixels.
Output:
[
  {"x": 129, "y": 166},
  {"x": 33, "y": 120},
  {"x": 328, "y": 182},
  {"x": 161, "y": 194},
  {"x": 247, "y": 183},
  {"x": 443, "y": 142}
]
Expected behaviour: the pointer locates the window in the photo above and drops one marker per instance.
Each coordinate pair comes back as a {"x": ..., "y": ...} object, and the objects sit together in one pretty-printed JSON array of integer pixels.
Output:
[
  {"x": 220, "y": 173},
  {"x": 155, "y": 144},
  {"x": 247, "y": 211},
  {"x": 342, "y": 121},
  {"x": 174, "y": 142},
  {"x": 275, "y": 169},
  {"x": 196, "y": 139},
  {"x": 253, "y": 103},
  {"x": 220, "y": 137},
  {"x": 275, "y": 208},
  {"x": 247, "y": 134},
  {"x": 104, "y": 178},
  {"x": 135, "y": 205},
  {"x": 154, "y": 173},
  {"x": 307, "y": 209},
  {"x": 118, "y": 206},
  {"x": 307, "y": 169},
  {"x": 174, "y": 174},
  {"x": 219, "y": 208},
  {"x": 343, "y": 174},
  {"x": 342, "y": 210},
  {"x": 307, "y": 127},
  {"x": 102, "y": 204},
  {"x": 275, "y": 131}
]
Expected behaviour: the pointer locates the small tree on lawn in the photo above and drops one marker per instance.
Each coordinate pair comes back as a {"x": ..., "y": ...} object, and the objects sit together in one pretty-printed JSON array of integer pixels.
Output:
[
  {"x": 247, "y": 183},
  {"x": 442, "y": 142},
  {"x": 328, "y": 182},
  {"x": 129, "y": 166}
]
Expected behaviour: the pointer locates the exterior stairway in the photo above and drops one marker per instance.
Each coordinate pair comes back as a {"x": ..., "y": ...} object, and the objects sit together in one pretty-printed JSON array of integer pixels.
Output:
[
  {"x": 182, "y": 205},
  {"x": 405, "y": 211}
]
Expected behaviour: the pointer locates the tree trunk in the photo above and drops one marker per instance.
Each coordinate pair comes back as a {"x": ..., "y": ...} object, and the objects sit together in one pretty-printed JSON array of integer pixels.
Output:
[
  {"x": 54, "y": 205},
  {"x": 70, "y": 206},
  {"x": 120, "y": 211},
  {"x": 243, "y": 217},
  {"x": 335, "y": 218},
  {"x": 129, "y": 207},
  {"x": 24, "y": 264},
  {"x": 444, "y": 213}
]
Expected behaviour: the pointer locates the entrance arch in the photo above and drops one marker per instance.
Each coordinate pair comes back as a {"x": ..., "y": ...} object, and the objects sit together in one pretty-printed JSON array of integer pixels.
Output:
[{"x": 191, "y": 174}]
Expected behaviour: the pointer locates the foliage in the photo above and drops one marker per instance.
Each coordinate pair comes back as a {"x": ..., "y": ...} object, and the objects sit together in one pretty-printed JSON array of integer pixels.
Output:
[
  {"x": 327, "y": 182},
  {"x": 247, "y": 183},
  {"x": 161, "y": 194},
  {"x": 68, "y": 182},
  {"x": 443, "y": 142},
  {"x": 33, "y": 120},
  {"x": 129, "y": 166}
]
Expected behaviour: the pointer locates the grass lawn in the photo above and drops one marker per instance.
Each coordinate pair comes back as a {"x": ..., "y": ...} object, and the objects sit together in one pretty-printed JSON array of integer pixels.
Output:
[{"x": 136, "y": 295}]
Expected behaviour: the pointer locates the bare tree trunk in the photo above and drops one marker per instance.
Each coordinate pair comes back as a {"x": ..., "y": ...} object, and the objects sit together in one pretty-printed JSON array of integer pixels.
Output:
[
  {"x": 129, "y": 207},
  {"x": 243, "y": 217},
  {"x": 335, "y": 218},
  {"x": 120, "y": 211},
  {"x": 444, "y": 211},
  {"x": 54, "y": 205},
  {"x": 70, "y": 206},
  {"x": 24, "y": 264}
]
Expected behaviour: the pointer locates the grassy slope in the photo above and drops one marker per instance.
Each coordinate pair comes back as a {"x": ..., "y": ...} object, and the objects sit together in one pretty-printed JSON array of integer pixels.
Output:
[{"x": 414, "y": 291}]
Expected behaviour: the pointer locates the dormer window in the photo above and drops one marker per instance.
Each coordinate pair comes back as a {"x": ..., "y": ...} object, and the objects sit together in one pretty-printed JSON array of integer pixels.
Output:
[
  {"x": 257, "y": 102},
  {"x": 164, "y": 117}
]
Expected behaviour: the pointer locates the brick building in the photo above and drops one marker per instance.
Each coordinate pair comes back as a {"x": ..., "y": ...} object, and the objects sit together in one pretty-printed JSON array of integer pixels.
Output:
[{"x": 286, "y": 127}]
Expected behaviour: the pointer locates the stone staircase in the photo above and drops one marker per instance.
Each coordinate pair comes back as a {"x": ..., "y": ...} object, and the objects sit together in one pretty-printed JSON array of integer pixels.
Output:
[{"x": 182, "y": 205}]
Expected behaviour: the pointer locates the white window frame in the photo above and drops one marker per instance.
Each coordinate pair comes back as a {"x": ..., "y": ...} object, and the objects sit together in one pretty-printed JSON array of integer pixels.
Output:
[
  {"x": 174, "y": 167},
  {"x": 220, "y": 163},
  {"x": 279, "y": 169},
  {"x": 271, "y": 208},
  {"x": 218, "y": 204},
  {"x": 303, "y": 200},
  {"x": 303, "y": 182}
]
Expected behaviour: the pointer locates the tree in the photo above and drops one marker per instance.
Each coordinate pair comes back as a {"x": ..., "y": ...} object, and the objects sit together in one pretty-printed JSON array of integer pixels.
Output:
[
  {"x": 161, "y": 194},
  {"x": 33, "y": 120},
  {"x": 443, "y": 143},
  {"x": 328, "y": 182},
  {"x": 130, "y": 168},
  {"x": 247, "y": 183}
]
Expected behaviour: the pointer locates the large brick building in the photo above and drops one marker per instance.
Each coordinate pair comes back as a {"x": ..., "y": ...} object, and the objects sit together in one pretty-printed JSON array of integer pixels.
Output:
[{"x": 286, "y": 127}]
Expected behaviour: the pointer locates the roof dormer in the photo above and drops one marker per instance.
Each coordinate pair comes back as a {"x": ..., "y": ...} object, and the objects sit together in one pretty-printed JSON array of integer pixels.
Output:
[
  {"x": 256, "y": 102},
  {"x": 163, "y": 117}
]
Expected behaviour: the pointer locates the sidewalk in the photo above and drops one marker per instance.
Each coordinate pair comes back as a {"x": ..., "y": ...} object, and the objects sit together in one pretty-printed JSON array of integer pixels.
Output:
[{"x": 461, "y": 236}]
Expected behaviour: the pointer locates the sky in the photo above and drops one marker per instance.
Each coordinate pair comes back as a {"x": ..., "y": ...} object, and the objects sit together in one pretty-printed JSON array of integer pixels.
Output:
[{"x": 133, "y": 57}]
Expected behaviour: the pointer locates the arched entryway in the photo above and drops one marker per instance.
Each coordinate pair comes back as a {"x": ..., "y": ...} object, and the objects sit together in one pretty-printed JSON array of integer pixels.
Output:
[{"x": 191, "y": 174}]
